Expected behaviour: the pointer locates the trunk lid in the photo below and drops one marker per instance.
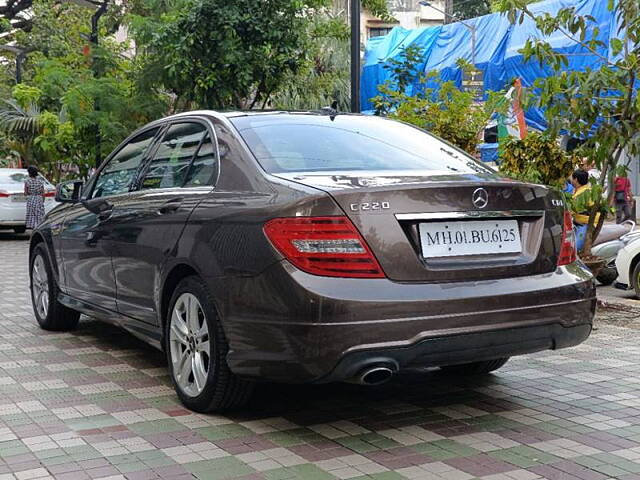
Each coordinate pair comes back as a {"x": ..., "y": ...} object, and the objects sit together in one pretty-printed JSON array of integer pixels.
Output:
[{"x": 406, "y": 220}]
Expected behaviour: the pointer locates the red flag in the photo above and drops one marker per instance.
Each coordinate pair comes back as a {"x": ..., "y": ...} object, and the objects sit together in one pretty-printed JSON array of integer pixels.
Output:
[{"x": 517, "y": 109}]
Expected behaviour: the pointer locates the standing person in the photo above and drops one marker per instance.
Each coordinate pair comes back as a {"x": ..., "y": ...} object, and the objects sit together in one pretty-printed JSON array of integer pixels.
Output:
[
  {"x": 581, "y": 197},
  {"x": 34, "y": 190},
  {"x": 623, "y": 198}
]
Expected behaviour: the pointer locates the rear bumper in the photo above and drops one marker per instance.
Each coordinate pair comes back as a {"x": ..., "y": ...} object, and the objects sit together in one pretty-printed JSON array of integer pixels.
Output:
[
  {"x": 456, "y": 349},
  {"x": 287, "y": 326}
]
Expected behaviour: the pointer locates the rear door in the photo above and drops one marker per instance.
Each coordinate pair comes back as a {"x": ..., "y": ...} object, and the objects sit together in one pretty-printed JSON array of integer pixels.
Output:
[{"x": 178, "y": 175}]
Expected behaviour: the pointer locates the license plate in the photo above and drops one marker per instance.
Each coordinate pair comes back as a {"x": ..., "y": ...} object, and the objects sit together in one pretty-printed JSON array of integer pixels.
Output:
[
  {"x": 449, "y": 239},
  {"x": 18, "y": 198}
]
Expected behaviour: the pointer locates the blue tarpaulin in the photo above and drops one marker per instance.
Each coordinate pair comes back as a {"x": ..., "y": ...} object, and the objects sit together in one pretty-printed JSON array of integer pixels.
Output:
[
  {"x": 497, "y": 50},
  {"x": 390, "y": 47}
]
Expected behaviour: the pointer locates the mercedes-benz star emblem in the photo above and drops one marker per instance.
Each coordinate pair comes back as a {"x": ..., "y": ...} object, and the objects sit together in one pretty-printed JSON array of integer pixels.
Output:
[{"x": 480, "y": 198}]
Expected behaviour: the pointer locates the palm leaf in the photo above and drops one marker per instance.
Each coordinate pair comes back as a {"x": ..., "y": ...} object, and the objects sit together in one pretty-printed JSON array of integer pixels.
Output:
[{"x": 15, "y": 120}]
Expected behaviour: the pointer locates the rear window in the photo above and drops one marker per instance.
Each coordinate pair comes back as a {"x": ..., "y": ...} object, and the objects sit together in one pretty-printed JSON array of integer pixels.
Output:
[
  {"x": 317, "y": 143},
  {"x": 18, "y": 178}
]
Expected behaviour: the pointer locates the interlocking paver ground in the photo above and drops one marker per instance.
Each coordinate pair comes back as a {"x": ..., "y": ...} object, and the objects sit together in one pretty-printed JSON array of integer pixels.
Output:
[{"x": 97, "y": 403}]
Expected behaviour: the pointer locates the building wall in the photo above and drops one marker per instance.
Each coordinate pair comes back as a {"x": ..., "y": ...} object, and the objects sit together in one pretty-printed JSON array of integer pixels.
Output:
[{"x": 408, "y": 14}]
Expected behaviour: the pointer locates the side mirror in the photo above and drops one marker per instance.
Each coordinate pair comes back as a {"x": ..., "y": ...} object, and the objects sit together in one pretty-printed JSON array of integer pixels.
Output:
[{"x": 69, "y": 192}]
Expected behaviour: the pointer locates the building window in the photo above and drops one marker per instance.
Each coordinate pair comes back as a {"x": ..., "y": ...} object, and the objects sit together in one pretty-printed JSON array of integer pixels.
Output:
[{"x": 379, "y": 31}]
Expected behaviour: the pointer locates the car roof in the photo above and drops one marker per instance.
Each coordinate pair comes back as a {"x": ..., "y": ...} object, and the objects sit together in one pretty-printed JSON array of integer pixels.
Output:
[{"x": 254, "y": 113}]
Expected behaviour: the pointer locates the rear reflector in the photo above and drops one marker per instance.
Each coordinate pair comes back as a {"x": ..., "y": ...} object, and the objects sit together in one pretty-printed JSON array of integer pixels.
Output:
[
  {"x": 50, "y": 194},
  {"x": 568, "y": 244},
  {"x": 327, "y": 246},
  {"x": 4, "y": 194}
]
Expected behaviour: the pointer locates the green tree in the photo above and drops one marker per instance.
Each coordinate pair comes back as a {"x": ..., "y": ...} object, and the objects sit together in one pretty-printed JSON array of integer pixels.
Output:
[
  {"x": 601, "y": 103},
  {"x": 441, "y": 108},
  {"x": 471, "y": 8},
  {"x": 537, "y": 159},
  {"x": 227, "y": 54},
  {"x": 14, "y": 14},
  {"x": 476, "y": 8},
  {"x": 60, "y": 91}
]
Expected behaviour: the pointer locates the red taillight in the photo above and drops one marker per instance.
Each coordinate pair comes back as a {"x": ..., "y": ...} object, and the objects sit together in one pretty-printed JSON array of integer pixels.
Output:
[
  {"x": 328, "y": 246},
  {"x": 568, "y": 243},
  {"x": 4, "y": 194},
  {"x": 50, "y": 194}
]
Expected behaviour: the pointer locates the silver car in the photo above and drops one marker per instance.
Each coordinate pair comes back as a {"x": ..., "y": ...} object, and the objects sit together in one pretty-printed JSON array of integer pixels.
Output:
[{"x": 13, "y": 208}]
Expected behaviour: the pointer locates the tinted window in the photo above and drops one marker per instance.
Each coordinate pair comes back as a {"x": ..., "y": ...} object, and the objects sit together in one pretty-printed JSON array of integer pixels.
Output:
[
  {"x": 171, "y": 161},
  {"x": 316, "y": 143},
  {"x": 120, "y": 173},
  {"x": 204, "y": 167}
]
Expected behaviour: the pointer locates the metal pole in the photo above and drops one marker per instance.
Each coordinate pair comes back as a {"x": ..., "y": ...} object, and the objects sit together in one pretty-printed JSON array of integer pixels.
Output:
[
  {"x": 19, "y": 59},
  {"x": 355, "y": 56}
]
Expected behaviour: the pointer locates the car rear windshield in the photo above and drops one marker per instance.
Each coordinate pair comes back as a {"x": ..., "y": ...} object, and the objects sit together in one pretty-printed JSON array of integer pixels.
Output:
[
  {"x": 18, "y": 178},
  {"x": 320, "y": 143}
]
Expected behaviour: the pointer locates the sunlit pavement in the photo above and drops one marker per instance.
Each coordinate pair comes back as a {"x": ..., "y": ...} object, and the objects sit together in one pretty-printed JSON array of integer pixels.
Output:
[{"x": 96, "y": 403}]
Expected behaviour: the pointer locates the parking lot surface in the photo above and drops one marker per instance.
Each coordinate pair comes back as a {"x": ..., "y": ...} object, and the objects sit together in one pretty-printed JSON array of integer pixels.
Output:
[{"x": 97, "y": 403}]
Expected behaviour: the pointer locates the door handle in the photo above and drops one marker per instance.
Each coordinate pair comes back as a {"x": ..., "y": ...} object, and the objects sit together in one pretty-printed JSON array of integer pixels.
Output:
[{"x": 170, "y": 206}]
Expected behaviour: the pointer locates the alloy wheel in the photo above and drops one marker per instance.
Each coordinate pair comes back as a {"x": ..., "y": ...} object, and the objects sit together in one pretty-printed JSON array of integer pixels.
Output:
[
  {"x": 189, "y": 345},
  {"x": 40, "y": 287}
]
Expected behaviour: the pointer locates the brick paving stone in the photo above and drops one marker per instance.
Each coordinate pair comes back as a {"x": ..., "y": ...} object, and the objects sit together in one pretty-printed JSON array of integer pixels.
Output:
[{"x": 97, "y": 403}]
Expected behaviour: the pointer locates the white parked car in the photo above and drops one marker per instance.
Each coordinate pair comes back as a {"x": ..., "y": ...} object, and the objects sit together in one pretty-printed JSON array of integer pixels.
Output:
[
  {"x": 13, "y": 203},
  {"x": 628, "y": 266}
]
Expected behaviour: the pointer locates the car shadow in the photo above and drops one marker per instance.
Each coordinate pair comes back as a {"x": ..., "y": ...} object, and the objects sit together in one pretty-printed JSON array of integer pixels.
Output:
[{"x": 322, "y": 403}]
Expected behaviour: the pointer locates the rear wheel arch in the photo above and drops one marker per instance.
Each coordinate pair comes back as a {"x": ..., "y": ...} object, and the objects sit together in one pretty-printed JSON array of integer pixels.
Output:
[
  {"x": 172, "y": 280},
  {"x": 176, "y": 275}
]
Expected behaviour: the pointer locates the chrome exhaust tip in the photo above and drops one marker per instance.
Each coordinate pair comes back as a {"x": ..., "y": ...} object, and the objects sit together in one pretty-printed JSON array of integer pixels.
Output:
[{"x": 374, "y": 375}]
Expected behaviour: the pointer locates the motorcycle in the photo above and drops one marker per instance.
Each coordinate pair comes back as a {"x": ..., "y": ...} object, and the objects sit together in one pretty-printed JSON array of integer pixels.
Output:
[{"x": 610, "y": 241}]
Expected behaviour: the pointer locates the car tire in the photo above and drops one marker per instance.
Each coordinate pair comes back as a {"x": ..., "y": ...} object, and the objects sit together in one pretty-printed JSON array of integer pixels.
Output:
[
  {"x": 197, "y": 348},
  {"x": 19, "y": 230},
  {"x": 635, "y": 279},
  {"x": 476, "y": 368},
  {"x": 607, "y": 276},
  {"x": 49, "y": 312}
]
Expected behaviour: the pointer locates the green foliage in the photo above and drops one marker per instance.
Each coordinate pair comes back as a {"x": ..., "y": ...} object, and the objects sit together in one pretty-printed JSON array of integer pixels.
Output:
[
  {"x": 444, "y": 110},
  {"x": 5, "y": 25},
  {"x": 471, "y": 8},
  {"x": 26, "y": 95},
  {"x": 325, "y": 77},
  {"x": 227, "y": 54},
  {"x": 379, "y": 9},
  {"x": 537, "y": 158},
  {"x": 601, "y": 103},
  {"x": 51, "y": 118}
]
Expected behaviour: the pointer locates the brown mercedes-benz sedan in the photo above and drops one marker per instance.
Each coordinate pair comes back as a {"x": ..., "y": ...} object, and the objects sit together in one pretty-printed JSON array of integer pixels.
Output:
[{"x": 309, "y": 247}]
